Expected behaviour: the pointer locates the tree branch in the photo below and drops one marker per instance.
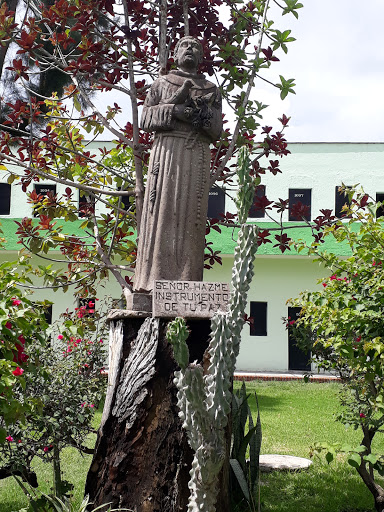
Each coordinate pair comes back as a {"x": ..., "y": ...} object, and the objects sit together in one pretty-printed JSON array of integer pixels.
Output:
[
  {"x": 232, "y": 144},
  {"x": 105, "y": 259}
]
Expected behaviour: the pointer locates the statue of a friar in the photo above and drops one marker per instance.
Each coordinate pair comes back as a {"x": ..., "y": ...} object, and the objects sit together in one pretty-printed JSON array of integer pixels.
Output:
[{"x": 184, "y": 111}]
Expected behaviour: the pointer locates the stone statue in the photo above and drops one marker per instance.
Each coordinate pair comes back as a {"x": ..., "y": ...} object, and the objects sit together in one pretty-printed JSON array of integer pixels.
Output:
[{"x": 184, "y": 111}]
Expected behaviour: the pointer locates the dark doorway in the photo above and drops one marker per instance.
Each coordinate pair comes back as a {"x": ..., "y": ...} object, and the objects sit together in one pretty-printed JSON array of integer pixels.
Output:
[
  {"x": 5, "y": 198},
  {"x": 297, "y": 358}
]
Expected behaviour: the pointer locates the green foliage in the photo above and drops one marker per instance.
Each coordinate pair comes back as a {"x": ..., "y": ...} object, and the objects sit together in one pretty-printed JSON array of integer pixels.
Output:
[
  {"x": 22, "y": 322},
  {"x": 346, "y": 318},
  {"x": 281, "y": 38},
  {"x": 55, "y": 504},
  {"x": 292, "y": 6},
  {"x": 63, "y": 379},
  {"x": 286, "y": 87},
  {"x": 246, "y": 445}
]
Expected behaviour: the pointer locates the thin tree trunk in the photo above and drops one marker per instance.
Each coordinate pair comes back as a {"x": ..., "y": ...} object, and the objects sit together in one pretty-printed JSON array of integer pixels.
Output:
[
  {"x": 12, "y": 4},
  {"x": 57, "y": 482},
  {"x": 137, "y": 149}
]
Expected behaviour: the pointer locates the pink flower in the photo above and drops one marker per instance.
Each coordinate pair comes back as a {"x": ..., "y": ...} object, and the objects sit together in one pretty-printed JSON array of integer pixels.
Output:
[
  {"x": 46, "y": 449},
  {"x": 8, "y": 325},
  {"x": 16, "y": 302},
  {"x": 325, "y": 285},
  {"x": 18, "y": 371},
  {"x": 83, "y": 404},
  {"x": 91, "y": 405},
  {"x": 358, "y": 339},
  {"x": 9, "y": 439},
  {"x": 60, "y": 337},
  {"x": 362, "y": 415},
  {"x": 19, "y": 441}
]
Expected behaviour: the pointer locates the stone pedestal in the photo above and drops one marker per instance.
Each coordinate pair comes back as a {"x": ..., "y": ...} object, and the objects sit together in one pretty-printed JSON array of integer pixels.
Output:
[
  {"x": 142, "y": 458},
  {"x": 140, "y": 302},
  {"x": 274, "y": 462}
]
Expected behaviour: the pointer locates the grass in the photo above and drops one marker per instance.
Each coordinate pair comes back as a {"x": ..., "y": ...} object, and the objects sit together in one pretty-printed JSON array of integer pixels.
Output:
[
  {"x": 74, "y": 465},
  {"x": 294, "y": 415}
]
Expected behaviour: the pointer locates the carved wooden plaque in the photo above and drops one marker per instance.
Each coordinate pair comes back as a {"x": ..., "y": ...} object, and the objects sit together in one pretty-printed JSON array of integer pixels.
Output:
[{"x": 189, "y": 299}]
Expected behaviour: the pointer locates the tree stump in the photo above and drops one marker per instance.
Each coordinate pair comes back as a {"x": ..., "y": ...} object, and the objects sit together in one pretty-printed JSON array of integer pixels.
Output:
[{"x": 142, "y": 458}]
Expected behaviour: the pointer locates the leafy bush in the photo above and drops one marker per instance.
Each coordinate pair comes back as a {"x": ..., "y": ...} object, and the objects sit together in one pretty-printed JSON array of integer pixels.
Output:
[
  {"x": 345, "y": 322},
  {"x": 62, "y": 383}
]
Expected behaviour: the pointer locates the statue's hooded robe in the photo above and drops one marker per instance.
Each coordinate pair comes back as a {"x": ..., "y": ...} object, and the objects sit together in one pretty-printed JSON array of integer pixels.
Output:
[{"x": 172, "y": 233}]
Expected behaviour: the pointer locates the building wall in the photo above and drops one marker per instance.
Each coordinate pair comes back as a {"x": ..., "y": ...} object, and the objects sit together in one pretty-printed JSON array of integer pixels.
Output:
[
  {"x": 276, "y": 280},
  {"x": 323, "y": 166},
  {"x": 316, "y": 166},
  {"x": 319, "y": 167}
]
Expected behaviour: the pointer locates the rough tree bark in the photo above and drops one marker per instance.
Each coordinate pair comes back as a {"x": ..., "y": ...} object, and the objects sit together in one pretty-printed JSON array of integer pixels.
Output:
[{"x": 142, "y": 458}]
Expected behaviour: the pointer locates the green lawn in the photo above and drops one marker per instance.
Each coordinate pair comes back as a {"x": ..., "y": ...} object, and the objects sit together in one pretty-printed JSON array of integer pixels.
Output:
[{"x": 294, "y": 415}]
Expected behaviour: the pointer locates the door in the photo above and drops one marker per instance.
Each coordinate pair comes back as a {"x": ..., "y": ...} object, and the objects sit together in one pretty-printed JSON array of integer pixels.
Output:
[{"x": 297, "y": 358}]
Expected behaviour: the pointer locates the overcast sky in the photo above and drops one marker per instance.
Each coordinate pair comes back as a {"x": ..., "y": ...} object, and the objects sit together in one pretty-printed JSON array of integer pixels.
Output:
[{"x": 338, "y": 64}]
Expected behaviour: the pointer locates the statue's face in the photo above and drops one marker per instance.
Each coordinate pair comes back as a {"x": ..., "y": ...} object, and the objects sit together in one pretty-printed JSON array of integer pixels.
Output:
[{"x": 188, "y": 54}]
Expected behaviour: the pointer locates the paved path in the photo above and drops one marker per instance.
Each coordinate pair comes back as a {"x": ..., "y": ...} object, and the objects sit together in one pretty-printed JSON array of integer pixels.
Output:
[{"x": 282, "y": 376}]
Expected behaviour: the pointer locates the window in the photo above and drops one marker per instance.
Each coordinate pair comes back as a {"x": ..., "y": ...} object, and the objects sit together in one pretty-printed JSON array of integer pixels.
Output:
[
  {"x": 303, "y": 196},
  {"x": 43, "y": 190},
  {"x": 48, "y": 314},
  {"x": 125, "y": 203},
  {"x": 5, "y": 198},
  {"x": 253, "y": 212},
  {"x": 380, "y": 210},
  {"x": 259, "y": 315},
  {"x": 216, "y": 203},
  {"x": 341, "y": 198},
  {"x": 86, "y": 204}
]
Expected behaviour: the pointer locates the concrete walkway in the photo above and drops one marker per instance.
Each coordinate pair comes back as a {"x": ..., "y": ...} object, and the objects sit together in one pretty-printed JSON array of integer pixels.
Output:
[{"x": 282, "y": 376}]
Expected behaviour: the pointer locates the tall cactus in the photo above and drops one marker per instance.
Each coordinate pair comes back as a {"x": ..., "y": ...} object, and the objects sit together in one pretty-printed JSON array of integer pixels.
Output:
[
  {"x": 205, "y": 399},
  {"x": 246, "y": 185}
]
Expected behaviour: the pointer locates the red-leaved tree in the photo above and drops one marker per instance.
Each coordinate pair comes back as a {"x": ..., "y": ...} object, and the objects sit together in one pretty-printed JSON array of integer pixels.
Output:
[{"x": 119, "y": 48}]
